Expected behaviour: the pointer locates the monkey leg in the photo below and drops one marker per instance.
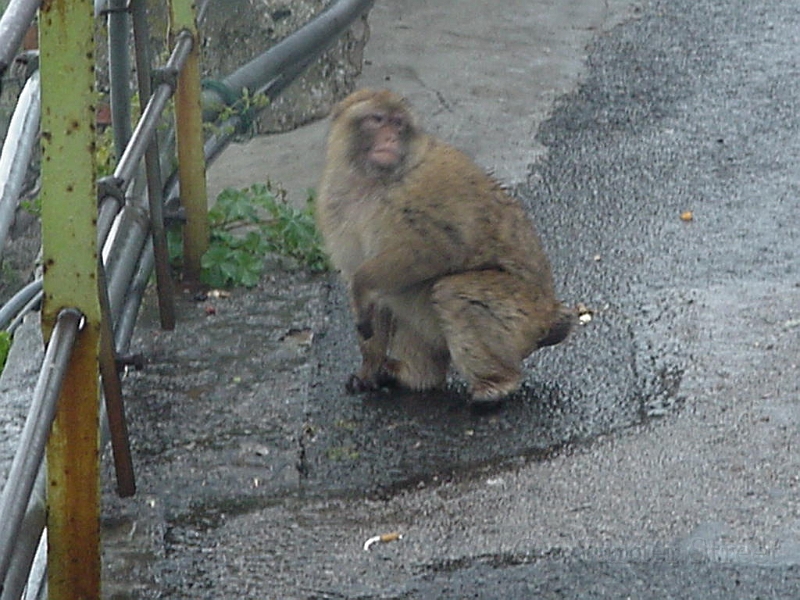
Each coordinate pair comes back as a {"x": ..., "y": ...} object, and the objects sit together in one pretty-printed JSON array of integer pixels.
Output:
[
  {"x": 373, "y": 373},
  {"x": 492, "y": 321},
  {"x": 417, "y": 360}
]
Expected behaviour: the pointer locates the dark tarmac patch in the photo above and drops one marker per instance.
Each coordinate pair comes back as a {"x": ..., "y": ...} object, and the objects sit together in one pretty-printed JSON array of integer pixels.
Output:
[
  {"x": 606, "y": 376},
  {"x": 664, "y": 574}
]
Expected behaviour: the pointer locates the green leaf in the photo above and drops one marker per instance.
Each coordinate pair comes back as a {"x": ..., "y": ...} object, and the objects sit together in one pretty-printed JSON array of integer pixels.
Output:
[
  {"x": 5, "y": 347},
  {"x": 247, "y": 224}
]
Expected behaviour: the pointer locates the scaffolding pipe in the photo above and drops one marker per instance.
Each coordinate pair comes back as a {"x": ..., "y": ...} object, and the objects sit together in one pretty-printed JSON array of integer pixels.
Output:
[
  {"x": 33, "y": 303},
  {"x": 273, "y": 70},
  {"x": 152, "y": 164},
  {"x": 119, "y": 73},
  {"x": 15, "y": 21},
  {"x": 110, "y": 206},
  {"x": 17, "y": 152},
  {"x": 146, "y": 127},
  {"x": 30, "y": 450},
  {"x": 133, "y": 299},
  {"x": 28, "y": 541},
  {"x": 18, "y": 302},
  {"x": 123, "y": 256},
  {"x": 36, "y": 587}
]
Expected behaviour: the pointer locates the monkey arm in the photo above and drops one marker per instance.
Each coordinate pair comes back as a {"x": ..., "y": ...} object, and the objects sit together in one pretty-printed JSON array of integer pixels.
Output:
[{"x": 393, "y": 271}]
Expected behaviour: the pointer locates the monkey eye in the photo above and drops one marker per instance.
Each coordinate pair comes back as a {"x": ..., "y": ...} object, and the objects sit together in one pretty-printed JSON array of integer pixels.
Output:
[
  {"x": 398, "y": 122},
  {"x": 376, "y": 120}
]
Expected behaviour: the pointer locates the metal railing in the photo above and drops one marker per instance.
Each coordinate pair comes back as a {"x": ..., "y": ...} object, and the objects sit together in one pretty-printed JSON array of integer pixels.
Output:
[{"x": 123, "y": 231}]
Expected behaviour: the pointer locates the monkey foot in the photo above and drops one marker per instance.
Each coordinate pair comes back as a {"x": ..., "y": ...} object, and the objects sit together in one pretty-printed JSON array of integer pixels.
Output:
[
  {"x": 560, "y": 329},
  {"x": 358, "y": 384},
  {"x": 491, "y": 393}
]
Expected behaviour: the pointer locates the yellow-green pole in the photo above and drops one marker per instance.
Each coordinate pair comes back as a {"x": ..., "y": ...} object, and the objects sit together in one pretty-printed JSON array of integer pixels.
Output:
[
  {"x": 189, "y": 133},
  {"x": 69, "y": 240}
]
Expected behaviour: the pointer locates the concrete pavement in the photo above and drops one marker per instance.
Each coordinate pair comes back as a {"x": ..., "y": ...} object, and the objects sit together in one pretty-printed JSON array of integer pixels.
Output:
[{"x": 480, "y": 76}]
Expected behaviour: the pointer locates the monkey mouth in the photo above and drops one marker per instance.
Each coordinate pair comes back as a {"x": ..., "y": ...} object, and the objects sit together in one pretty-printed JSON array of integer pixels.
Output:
[{"x": 385, "y": 157}]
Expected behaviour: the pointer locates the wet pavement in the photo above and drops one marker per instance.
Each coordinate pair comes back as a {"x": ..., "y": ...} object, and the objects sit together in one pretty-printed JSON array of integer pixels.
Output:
[{"x": 653, "y": 455}]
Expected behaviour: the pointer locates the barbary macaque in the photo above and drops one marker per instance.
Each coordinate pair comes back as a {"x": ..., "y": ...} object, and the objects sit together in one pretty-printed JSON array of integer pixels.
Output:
[{"x": 442, "y": 265}]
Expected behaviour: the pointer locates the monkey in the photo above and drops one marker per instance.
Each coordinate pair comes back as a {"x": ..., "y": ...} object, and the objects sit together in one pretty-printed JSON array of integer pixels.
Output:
[{"x": 442, "y": 265}]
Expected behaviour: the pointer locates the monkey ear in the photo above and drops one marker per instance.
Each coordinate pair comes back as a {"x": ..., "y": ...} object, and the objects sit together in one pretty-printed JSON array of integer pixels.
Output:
[{"x": 354, "y": 98}]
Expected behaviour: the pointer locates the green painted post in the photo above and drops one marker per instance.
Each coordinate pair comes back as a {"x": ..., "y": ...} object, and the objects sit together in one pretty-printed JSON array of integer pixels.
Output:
[
  {"x": 69, "y": 232},
  {"x": 189, "y": 133}
]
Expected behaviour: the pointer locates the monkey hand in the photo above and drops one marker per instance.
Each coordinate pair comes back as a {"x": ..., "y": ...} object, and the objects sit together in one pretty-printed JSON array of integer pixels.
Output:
[
  {"x": 365, "y": 314},
  {"x": 364, "y": 323},
  {"x": 363, "y": 305},
  {"x": 367, "y": 380}
]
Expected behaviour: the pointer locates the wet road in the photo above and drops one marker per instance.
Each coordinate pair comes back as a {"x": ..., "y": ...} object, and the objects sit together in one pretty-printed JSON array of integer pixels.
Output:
[{"x": 654, "y": 455}]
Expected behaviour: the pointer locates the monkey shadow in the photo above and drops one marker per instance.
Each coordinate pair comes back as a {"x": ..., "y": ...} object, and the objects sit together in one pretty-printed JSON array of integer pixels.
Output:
[
  {"x": 390, "y": 439},
  {"x": 454, "y": 400}
]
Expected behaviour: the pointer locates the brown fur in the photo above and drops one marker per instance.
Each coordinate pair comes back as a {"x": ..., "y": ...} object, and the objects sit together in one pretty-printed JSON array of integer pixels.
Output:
[{"x": 441, "y": 263}]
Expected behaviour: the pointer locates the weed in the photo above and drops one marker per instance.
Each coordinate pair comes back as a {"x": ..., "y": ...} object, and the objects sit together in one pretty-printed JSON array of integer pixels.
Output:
[
  {"x": 246, "y": 106},
  {"x": 5, "y": 347},
  {"x": 248, "y": 224}
]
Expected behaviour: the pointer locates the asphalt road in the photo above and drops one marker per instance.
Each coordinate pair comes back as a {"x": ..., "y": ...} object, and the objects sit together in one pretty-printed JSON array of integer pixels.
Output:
[{"x": 655, "y": 455}]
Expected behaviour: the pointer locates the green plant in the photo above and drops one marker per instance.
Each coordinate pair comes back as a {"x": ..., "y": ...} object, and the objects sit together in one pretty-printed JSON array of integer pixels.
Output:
[
  {"x": 246, "y": 106},
  {"x": 5, "y": 347},
  {"x": 246, "y": 225},
  {"x": 104, "y": 154}
]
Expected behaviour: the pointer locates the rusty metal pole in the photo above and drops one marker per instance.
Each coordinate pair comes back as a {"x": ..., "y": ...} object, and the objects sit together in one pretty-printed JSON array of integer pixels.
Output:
[
  {"x": 155, "y": 197},
  {"x": 69, "y": 232},
  {"x": 189, "y": 134}
]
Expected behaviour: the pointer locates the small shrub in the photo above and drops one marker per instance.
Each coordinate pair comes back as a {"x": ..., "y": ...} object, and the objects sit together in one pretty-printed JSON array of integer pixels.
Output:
[
  {"x": 248, "y": 224},
  {"x": 5, "y": 348}
]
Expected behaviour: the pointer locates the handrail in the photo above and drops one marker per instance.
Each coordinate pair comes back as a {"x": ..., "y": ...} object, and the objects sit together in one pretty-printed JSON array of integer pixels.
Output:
[
  {"x": 276, "y": 68},
  {"x": 15, "y": 21},
  {"x": 17, "y": 151},
  {"x": 30, "y": 451}
]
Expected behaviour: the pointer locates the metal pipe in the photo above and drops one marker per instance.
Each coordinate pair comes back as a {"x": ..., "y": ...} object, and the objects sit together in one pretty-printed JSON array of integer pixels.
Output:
[
  {"x": 119, "y": 73},
  {"x": 276, "y": 67},
  {"x": 35, "y": 432},
  {"x": 36, "y": 588},
  {"x": 123, "y": 255},
  {"x": 27, "y": 542},
  {"x": 125, "y": 170},
  {"x": 133, "y": 299},
  {"x": 146, "y": 127},
  {"x": 15, "y": 21},
  {"x": 32, "y": 304},
  {"x": 152, "y": 163},
  {"x": 17, "y": 151},
  {"x": 18, "y": 301}
]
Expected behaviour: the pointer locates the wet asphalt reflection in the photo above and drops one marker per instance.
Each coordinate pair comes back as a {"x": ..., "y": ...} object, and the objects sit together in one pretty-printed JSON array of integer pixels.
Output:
[{"x": 603, "y": 378}]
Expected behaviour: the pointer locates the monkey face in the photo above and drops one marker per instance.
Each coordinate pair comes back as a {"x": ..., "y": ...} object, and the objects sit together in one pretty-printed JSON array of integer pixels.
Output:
[
  {"x": 384, "y": 139},
  {"x": 378, "y": 131}
]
